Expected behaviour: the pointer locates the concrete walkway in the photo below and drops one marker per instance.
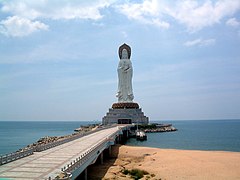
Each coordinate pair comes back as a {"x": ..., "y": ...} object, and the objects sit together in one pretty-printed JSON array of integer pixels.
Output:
[{"x": 42, "y": 165}]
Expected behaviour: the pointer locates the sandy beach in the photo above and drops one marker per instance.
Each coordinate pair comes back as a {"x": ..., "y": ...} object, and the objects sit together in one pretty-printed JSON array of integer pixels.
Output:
[{"x": 169, "y": 164}]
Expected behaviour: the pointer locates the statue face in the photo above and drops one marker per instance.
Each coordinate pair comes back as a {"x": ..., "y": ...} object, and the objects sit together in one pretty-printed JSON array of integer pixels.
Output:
[{"x": 124, "y": 54}]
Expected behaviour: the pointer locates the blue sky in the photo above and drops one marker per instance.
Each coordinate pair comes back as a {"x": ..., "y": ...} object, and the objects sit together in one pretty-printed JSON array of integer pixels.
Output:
[{"x": 58, "y": 58}]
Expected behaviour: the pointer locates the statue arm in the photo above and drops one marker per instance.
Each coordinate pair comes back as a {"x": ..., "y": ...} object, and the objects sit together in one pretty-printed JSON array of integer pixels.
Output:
[{"x": 129, "y": 66}]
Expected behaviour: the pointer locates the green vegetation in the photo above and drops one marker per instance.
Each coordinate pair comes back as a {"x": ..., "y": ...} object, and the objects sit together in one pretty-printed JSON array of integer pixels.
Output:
[
  {"x": 135, "y": 173},
  {"x": 125, "y": 171}
]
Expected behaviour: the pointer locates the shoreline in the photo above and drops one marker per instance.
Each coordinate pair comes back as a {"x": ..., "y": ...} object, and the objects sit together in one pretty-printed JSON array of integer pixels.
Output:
[
  {"x": 169, "y": 164},
  {"x": 202, "y": 150}
]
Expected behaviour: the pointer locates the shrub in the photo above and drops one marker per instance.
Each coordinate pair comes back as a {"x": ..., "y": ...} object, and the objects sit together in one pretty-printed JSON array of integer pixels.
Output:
[
  {"x": 125, "y": 171},
  {"x": 135, "y": 173}
]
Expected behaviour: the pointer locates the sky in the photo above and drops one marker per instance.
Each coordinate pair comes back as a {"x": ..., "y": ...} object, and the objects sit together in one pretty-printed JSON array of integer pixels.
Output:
[{"x": 58, "y": 58}]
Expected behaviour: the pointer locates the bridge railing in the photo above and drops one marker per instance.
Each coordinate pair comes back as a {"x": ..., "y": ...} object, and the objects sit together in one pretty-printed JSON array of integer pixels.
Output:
[
  {"x": 85, "y": 156},
  {"x": 27, "y": 152},
  {"x": 94, "y": 150},
  {"x": 46, "y": 146},
  {"x": 43, "y": 147},
  {"x": 14, "y": 156}
]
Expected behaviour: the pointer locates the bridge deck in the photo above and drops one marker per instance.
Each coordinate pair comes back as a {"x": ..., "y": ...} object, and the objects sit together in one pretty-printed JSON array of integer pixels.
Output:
[{"x": 47, "y": 163}]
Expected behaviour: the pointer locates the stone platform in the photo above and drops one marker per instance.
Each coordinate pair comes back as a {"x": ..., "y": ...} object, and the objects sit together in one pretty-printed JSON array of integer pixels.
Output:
[{"x": 125, "y": 113}]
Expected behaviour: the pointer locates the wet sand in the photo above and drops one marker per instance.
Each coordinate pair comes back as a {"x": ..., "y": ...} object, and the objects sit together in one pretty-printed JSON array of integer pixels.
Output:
[{"x": 169, "y": 164}]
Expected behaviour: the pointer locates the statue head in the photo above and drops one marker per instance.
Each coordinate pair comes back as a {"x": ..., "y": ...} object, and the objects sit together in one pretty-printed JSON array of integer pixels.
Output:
[
  {"x": 124, "y": 54},
  {"x": 128, "y": 51}
]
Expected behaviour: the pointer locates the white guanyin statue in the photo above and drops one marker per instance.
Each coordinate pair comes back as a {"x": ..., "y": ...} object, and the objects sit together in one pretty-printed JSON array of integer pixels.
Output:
[{"x": 125, "y": 73}]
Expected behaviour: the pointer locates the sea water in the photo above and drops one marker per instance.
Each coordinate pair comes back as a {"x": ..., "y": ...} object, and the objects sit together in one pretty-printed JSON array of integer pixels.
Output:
[
  {"x": 222, "y": 135},
  {"x": 18, "y": 134}
]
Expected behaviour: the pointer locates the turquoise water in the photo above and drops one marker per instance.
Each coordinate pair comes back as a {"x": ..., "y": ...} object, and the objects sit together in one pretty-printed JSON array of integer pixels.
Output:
[
  {"x": 199, "y": 135},
  {"x": 223, "y": 135}
]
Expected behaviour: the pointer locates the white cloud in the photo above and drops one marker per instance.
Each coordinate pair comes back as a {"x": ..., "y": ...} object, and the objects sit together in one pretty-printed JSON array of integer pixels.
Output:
[
  {"x": 193, "y": 14},
  {"x": 17, "y": 27},
  {"x": 26, "y": 14},
  {"x": 147, "y": 12},
  {"x": 197, "y": 16},
  {"x": 233, "y": 22},
  {"x": 200, "y": 42},
  {"x": 56, "y": 9}
]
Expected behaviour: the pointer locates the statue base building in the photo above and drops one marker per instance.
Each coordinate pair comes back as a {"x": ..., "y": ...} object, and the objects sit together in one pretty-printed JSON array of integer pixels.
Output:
[{"x": 125, "y": 113}]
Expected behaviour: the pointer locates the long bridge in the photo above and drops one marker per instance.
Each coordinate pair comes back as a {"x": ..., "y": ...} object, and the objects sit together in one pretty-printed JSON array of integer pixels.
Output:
[{"x": 62, "y": 160}]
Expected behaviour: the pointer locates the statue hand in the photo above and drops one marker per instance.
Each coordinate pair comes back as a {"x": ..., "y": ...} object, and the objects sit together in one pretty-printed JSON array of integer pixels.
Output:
[
  {"x": 118, "y": 94},
  {"x": 126, "y": 69},
  {"x": 131, "y": 97}
]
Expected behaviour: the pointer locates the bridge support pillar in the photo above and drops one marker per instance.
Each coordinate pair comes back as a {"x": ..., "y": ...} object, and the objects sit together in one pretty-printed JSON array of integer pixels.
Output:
[
  {"x": 85, "y": 174},
  {"x": 110, "y": 151},
  {"x": 101, "y": 158},
  {"x": 119, "y": 139}
]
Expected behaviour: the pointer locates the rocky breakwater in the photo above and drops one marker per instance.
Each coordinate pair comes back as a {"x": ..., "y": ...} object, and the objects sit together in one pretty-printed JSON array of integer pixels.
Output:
[
  {"x": 50, "y": 139},
  {"x": 155, "y": 128},
  {"x": 46, "y": 140}
]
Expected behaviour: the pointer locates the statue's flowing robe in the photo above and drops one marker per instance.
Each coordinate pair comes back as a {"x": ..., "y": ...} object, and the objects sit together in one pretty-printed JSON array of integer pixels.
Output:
[{"x": 125, "y": 73}]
